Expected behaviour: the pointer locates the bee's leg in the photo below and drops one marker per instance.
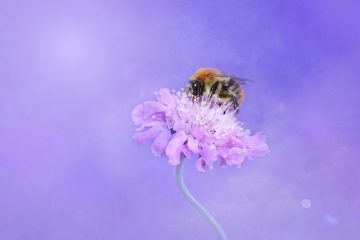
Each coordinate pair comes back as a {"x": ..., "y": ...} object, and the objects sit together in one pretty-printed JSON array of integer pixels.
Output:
[
  {"x": 235, "y": 103},
  {"x": 195, "y": 99},
  {"x": 224, "y": 99},
  {"x": 213, "y": 90}
]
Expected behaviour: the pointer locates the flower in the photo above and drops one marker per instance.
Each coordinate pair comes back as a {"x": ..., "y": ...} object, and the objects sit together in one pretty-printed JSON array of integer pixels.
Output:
[{"x": 176, "y": 124}]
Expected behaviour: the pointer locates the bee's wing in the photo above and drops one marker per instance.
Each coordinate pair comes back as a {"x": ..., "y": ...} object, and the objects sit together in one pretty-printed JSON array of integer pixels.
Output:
[{"x": 241, "y": 81}]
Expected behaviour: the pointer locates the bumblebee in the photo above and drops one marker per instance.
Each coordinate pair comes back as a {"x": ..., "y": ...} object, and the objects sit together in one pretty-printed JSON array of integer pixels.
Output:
[{"x": 216, "y": 85}]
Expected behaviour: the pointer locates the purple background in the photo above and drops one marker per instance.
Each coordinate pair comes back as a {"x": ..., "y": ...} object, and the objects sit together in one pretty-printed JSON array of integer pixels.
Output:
[{"x": 71, "y": 72}]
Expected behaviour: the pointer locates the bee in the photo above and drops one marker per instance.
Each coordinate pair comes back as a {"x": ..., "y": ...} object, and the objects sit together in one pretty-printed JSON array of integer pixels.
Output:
[{"x": 215, "y": 84}]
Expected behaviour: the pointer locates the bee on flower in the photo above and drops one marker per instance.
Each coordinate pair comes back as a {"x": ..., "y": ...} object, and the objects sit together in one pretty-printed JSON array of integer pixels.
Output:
[{"x": 199, "y": 121}]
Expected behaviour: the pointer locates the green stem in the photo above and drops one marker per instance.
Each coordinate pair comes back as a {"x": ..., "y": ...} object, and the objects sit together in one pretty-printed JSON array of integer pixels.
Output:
[{"x": 181, "y": 184}]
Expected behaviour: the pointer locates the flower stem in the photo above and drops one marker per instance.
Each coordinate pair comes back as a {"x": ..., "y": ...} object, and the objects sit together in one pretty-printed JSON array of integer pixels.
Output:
[{"x": 195, "y": 203}]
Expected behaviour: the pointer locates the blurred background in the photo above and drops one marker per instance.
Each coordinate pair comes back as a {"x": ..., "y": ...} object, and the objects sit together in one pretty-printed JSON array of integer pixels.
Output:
[{"x": 72, "y": 71}]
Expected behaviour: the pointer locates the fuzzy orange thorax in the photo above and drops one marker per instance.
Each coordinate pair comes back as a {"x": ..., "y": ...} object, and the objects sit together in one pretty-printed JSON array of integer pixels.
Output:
[{"x": 205, "y": 74}]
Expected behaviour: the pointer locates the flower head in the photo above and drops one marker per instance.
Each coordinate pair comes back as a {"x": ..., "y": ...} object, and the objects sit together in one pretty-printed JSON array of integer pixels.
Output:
[{"x": 176, "y": 124}]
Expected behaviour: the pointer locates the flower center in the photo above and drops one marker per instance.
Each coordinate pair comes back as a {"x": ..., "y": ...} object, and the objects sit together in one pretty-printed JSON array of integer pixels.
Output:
[{"x": 210, "y": 116}]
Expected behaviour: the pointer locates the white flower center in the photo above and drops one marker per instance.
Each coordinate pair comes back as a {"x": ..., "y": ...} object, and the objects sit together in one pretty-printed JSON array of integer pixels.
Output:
[{"x": 216, "y": 120}]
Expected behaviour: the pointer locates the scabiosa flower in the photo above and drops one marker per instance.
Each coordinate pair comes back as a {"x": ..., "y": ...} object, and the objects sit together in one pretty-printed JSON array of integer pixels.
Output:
[{"x": 177, "y": 125}]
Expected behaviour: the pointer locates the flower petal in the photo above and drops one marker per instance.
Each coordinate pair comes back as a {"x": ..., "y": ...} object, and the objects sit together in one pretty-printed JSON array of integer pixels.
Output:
[
  {"x": 193, "y": 144},
  {"x": 257, "y": 146},
  {"x": 153, "y": 107},
  {"x": 165, "y": 97},
  {"x": 223, "y": 152},
  {"x": 174, "y": 147},
  {"x": 199, "y": 133},
  {"x": 200, "y": 165},
  {"x": 185, "y": 150},
  {"x": 147, "y": 136},
  {"x": 208, "y": 154},
  {"x": 148, "y": 111},
  {"x": 150, "y": 124},
  {"x": 236, "y": 156},
  {"x": 160, "y": 143},
  {"x": 138, "y": 114}
]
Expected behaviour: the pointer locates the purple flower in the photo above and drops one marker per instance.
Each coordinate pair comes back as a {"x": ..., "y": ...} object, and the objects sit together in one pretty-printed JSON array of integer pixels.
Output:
[{"x": 179, "y": 125}]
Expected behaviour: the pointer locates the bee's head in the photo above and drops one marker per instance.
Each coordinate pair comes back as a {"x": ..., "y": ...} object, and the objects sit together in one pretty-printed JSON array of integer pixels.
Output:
[{"x": 202, "y": 77}]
